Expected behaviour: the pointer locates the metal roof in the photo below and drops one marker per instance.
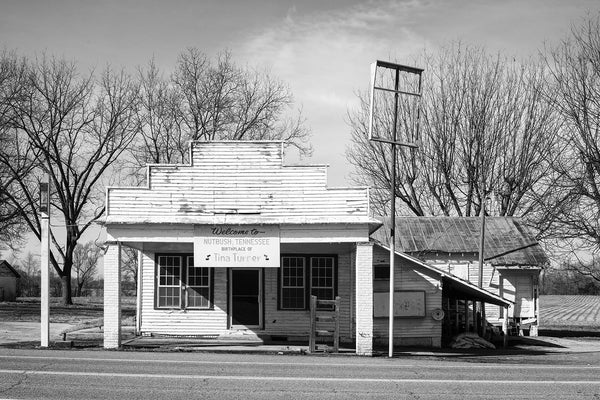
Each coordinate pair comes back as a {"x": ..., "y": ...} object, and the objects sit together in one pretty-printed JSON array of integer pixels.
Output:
[
  {"x": 456, "y": 284},
  {"x": 507, "y": 240}
]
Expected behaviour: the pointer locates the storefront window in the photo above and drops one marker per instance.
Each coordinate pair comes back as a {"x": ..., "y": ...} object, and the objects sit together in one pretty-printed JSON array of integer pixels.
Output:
[
  {"x": 293, "y": 295},
  {"x": 297, "y": 281},
  {"x": 321, "y": 272},
  {"x": 169, "y": 282},
  {"x": 180, "y": 284}
]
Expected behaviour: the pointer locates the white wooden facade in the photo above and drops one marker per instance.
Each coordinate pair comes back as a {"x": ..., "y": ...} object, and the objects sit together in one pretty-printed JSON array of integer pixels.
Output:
[{"x": 230, "y": 188}]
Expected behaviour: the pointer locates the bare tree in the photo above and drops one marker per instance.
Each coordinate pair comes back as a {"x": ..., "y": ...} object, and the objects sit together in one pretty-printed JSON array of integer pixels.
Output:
[
  {"x": 12, "y": 77},
  {"x": 73, "y": 127},
  {"x": 575, "y": 208},
  {"x": 207, "y": 99},
  {"x": 129, "y": 269},
  {"x": 85, "y": 264},
  {"x": 161, "y": 139},
  {"x": 486, "y": 131},
  {"x": 29, "y": 283}
]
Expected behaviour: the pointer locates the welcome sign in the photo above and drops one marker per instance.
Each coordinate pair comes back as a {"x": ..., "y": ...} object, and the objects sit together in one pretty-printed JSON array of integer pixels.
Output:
[{"x": 236, "y": 246}]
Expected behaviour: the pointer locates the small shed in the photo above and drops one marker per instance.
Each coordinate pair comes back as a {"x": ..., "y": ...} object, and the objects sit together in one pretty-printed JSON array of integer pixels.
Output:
[
  {"x": 9, "y": 279},
  {"x": 513, "y": 258}
]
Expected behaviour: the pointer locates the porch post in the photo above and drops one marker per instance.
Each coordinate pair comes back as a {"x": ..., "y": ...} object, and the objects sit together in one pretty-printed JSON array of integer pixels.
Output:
[
  {"x": 112, "y": 296},
  {"x": 505, "y": 327},
  {"x": 138, "y": 294},
  {"x": 364, "y": 298}
]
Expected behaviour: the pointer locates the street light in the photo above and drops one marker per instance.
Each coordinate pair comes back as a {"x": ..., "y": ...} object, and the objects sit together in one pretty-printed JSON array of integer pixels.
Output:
[
  {"x": 44, "y": 206},
  {"x": 44, "y": 209}
]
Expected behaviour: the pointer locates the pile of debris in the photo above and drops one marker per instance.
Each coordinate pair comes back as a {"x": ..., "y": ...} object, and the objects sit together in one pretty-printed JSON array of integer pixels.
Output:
[{"x": 470, "y": 341}]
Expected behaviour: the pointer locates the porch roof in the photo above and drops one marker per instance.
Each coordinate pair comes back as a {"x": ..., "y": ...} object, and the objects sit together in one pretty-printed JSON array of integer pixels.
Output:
[
  {"x": 240, "y": 219},
  {"x": 456, "y": 284}
]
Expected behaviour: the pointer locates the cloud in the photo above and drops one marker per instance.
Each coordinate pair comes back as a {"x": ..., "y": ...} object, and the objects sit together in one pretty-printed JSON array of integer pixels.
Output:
[{"x": 325, "y": 57}]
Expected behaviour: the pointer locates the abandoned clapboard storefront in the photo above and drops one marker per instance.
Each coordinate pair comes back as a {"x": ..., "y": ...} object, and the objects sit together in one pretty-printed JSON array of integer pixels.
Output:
[{"x": 238, "y": 240}]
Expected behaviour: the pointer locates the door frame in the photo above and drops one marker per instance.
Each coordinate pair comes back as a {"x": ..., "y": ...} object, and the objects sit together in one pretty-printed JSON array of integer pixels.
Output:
[{"x": 260, "y": 300}]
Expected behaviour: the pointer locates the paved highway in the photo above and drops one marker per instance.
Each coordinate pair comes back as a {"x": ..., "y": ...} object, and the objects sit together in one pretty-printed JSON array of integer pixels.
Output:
[{"x": 53, "y": 374}]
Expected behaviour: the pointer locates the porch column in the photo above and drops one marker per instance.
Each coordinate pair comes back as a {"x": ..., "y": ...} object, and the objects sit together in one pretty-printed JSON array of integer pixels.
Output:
[
  {"x": 364, "y": 299},
  {"x": 112, "y": 296}
]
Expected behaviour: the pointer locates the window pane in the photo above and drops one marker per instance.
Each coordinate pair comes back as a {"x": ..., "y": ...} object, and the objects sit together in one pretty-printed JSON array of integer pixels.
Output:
[
  {"x": 169, "y": 285},
  {"x": 293, "y": 292},
  {"x": 322, "y": 277},
  {"x": 198, "y": 285},
  {"x": 293, "y": 298},
  {"x": 168, "y": 297},
  {"x": 198, "y": 297}
]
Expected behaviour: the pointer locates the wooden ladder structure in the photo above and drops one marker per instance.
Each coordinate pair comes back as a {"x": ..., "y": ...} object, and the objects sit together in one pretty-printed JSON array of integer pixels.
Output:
[{"x": 324, "y": 312}]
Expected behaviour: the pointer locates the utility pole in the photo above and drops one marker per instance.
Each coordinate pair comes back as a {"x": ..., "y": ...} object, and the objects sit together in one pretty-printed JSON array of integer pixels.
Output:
[
  {"x": 393, "y": 142},
  {"x": 481, "y": 313}
]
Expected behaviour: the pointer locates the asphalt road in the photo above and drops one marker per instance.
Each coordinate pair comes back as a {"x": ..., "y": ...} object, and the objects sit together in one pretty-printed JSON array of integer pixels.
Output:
[{"x": 53, "y": 374}]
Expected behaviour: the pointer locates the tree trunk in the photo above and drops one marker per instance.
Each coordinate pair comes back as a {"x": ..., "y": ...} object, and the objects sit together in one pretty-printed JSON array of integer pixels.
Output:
[{"x": 65, "y": 280}]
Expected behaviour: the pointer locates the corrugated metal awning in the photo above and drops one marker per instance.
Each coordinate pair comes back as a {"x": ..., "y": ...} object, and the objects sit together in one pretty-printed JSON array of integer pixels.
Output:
[{"x": 456, "y": 284}]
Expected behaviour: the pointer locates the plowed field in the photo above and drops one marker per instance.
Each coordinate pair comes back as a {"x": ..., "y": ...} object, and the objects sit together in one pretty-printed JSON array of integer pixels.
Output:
[{"x": 576, "y": 312}]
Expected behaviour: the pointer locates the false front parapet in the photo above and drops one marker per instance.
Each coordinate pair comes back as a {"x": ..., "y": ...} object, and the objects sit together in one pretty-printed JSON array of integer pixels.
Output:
[{"x": 237, "y": 182}]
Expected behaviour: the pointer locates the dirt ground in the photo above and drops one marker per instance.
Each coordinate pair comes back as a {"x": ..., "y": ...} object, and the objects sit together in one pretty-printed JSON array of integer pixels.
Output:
[
  {"x": 83, "y": 309},
  {"x": 20, "y": 327}
]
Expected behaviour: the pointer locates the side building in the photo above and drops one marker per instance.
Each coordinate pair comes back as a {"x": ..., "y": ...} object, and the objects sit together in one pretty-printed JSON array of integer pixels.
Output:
[
  {"x": 9, "y": 280},
  {"x": 513, "y": 260}
]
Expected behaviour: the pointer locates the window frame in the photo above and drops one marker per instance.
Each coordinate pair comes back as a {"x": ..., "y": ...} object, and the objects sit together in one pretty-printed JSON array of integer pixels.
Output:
[
  {"x": 184, "y": 264},
  {"x": 308, "y": 275},
  {"x": 378, "y": 268},
  {"x": 208, "y": 286},
  {"x": 281, "y": 283},
  {"x": 158, "y": 285}
]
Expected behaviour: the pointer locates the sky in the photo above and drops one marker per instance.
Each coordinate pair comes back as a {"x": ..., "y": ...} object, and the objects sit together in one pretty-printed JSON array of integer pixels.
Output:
[{"x": 322, "y": 49}]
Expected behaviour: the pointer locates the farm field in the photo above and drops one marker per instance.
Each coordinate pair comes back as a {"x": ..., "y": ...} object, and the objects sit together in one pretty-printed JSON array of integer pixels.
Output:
[{"x": 570, "y": 312}]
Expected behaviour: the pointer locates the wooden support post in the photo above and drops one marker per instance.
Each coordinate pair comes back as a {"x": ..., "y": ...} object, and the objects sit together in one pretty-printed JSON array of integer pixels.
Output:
[
  {"x": 467, "y": 316},
  {"x": 456, "y": 316},
  {"x": 313, "y": 323},
  {"x": 483, "y": 321},
  {"x": 138, "y": 308},
  {"x": 505, "y": 328},
  {"x": 336, "y": 335},
  {"x": 475, "y": 321}
]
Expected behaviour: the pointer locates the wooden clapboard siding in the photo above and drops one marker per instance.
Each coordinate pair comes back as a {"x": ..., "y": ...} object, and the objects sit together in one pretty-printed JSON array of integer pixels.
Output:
[
  {"x": 518, "y": 287},
  {"x": 282, "y": 322},
  {"x": 237, "y": 178},
  {"x": 410, "y": 276},
  {"x": 270, "y": 153},
  {"x": 188, "y": 322},
  {"x": 345, "y": 291},
  {"x": 297, "y": 322}
]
